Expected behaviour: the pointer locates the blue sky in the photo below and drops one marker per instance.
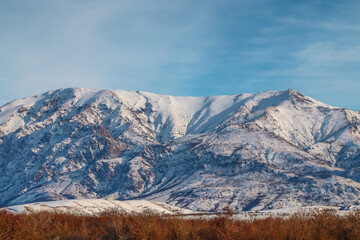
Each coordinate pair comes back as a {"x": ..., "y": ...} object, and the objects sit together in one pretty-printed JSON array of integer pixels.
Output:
[{"x": 183, "y": 47}]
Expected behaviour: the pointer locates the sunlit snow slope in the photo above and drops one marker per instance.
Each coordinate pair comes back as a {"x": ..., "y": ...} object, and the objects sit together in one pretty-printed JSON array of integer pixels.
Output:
[
  {"x": 267, "y": 150},
  {"x": 99, "y": 206}
]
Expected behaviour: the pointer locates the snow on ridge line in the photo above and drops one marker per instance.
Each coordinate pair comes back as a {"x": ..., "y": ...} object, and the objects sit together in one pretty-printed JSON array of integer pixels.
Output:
[
  {"x": 96, "y": 206},
  {"x": 84, "y": 94},
  {"x": 186, "y": 105}
]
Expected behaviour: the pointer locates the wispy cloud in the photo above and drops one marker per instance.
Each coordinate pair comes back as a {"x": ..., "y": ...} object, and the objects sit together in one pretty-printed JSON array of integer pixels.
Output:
[
  {"x": 182, "y": 47},
  {"x": 114, "y": 45}
]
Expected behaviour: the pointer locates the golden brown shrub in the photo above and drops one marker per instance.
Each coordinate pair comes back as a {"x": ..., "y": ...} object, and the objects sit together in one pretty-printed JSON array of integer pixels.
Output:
[{"x": 117, "y": 225}]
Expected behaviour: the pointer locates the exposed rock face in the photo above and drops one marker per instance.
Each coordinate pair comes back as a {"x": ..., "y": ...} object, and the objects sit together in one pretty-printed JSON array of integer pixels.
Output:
[{"x": 249, "y": 151}]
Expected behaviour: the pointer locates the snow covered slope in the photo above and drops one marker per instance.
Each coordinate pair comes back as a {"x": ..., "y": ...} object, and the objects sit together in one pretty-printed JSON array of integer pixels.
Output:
[
  {"x": 98, "y": 206},
  {"x": 267, "y": 150}
]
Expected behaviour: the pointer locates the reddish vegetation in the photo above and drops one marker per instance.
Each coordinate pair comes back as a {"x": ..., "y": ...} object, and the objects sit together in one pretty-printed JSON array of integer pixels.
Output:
[{"x": 112, "y": 225}]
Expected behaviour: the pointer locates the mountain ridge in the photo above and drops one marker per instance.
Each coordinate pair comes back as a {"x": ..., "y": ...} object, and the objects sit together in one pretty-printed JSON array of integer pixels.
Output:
[{"x": 249, "y": 151}]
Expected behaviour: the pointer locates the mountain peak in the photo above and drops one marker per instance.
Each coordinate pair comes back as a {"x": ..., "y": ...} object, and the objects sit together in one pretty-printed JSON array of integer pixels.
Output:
[{"x": 292, "y": 91}]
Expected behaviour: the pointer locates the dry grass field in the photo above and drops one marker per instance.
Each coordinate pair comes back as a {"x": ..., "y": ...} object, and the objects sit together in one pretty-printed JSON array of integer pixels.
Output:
[{"x": 114, "y": 225}]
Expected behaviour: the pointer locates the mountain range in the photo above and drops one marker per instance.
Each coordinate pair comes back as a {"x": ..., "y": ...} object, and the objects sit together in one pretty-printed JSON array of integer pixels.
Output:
[{"x": 268, "y": 150}]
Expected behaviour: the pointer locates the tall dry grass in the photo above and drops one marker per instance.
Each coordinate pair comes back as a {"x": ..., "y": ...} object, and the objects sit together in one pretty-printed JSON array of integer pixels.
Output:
[{"x": 114, "y": 225}]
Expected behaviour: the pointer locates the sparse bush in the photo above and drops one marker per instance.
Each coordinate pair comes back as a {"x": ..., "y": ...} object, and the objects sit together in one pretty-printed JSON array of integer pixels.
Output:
[{"x": 119, "y": 225}]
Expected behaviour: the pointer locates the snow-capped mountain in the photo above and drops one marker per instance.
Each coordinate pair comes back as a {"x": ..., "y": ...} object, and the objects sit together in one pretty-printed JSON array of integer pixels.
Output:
[{"x": 248, "y": 151}]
